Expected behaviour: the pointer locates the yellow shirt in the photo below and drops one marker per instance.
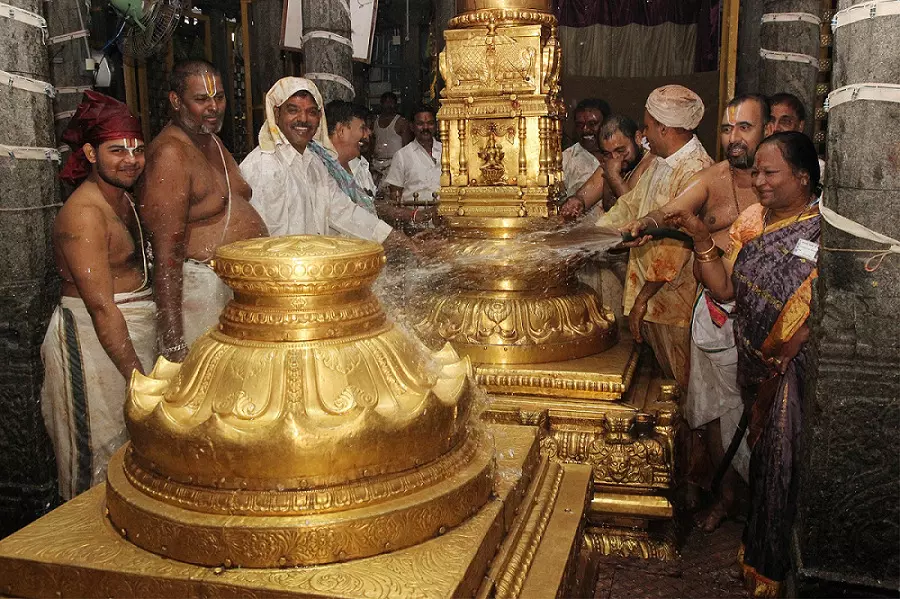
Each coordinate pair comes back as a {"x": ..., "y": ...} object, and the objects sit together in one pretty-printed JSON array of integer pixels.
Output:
[{"x": 665, "y": 260}]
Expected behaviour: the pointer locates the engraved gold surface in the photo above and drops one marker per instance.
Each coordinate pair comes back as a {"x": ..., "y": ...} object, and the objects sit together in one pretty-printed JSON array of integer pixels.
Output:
[
  {"x": 305, "y": 430},
  {"x": 628, "y": 440},
  {"x": 75, "y": 552},
  {"x": 545, "y": 348},
  {"x": 514, "y": 302},
  {"x": 602, "y": 376},
  {"x": 300, "y": 288},
  {"x": 632, "y": 542},
  {"x": 284, "y": 541}
]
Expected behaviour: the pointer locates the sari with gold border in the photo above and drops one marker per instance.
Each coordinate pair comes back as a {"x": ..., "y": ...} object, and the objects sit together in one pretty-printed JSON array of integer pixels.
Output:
[{"x": 773, "y": 287}]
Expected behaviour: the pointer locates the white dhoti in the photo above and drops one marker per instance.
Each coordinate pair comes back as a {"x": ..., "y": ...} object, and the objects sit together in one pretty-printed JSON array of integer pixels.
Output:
[
  {"x": 204, "y": 296},
  {"x": 713, "y": 391},
  {"x": 83, "y": 397}
]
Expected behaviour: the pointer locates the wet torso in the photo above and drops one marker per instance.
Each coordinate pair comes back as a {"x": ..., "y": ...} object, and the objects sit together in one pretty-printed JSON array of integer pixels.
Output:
[
  {"x": 208, "y": 210},
  {"x": 126, "y": 262},
  {"x": 726, "y": 200}
]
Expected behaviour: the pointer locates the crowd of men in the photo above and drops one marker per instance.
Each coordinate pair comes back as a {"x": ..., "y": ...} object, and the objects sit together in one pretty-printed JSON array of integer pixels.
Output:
[{"x": 310, "y": 175}]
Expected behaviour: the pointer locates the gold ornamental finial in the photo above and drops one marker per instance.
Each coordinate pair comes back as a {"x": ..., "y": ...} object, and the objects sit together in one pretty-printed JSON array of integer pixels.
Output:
[{"x": 306, "y": 429}]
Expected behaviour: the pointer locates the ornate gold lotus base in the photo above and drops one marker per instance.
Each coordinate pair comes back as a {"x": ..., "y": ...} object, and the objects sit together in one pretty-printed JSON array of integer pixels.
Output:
[
  {"x": 523, "y": 543},
  {"x": 267, "y": 540},
  {"x": 610, "y": 412}
]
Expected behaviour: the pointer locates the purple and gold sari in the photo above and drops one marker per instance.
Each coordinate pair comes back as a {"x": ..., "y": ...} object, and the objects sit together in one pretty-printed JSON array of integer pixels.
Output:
[{"x": 772, "y": 288}]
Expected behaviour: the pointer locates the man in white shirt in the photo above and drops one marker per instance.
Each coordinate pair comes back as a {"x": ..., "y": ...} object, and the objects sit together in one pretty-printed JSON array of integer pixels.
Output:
[
  {"x": 579, "y": 161},
  {"x": 348, "y": 132},
  {"x": 415, "y": 173},
  {"x": 292, "y": 188}
]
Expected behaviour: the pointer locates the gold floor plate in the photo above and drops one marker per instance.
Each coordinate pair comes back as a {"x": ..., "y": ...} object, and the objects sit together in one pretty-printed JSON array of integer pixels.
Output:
[{"x": 75, "y": 552}]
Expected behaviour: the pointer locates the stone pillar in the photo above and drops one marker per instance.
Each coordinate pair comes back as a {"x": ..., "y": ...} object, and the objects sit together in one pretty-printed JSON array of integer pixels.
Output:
[
  {"x": 846, "y": 539},
  {"x": 67, "y": 68},
  {"x": 748, "y": 60},
  {"x": 324, "y": 55},
  {"x": 28, "y": 287},
  {"x": 266, "y": 62},
  {"x": 798, "y": 37}
]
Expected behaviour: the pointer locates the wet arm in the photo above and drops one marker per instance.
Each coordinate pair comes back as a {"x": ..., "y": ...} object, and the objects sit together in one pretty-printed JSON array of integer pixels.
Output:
[
  {"x": 691, "y": 199},
  {"x": 164, "y": 204},
  {"x": 83, "y": 241}
]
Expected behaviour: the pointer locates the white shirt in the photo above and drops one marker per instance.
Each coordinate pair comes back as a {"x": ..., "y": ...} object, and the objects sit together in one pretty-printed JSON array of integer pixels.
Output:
[
  {"x": 295, "y": 195},
  {"x": 578, "y": 165},
  {"x": 362, "y": 175},
  {"x": 416, "y": 171}
]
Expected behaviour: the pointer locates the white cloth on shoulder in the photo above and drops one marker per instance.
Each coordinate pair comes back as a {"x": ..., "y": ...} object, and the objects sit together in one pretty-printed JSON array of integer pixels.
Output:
[
  {"x": 204, "y": 296},
  {"x": 713, "y": 390},
  {"x": 83, "y": 396}
]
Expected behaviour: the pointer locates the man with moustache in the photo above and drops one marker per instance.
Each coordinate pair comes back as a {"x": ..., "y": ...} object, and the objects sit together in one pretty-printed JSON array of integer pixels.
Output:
[
  {"x": 622, "y": 162},
  {"x": 718, "y": 195},
  {"x": 348, "y": 132},
  {"x": 390, "y": 132},
  {"x": 193, "y": 200},
  {"x": 789, "y": 114},
  {"x": 415, "y": 174},
  {"x": 105, "y": 325},
  {"x": 580, "y": 160},
  {"x": 293, "y": 189}
]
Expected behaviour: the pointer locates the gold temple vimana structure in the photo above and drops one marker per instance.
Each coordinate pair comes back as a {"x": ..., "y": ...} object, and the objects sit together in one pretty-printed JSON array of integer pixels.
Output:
[{"x": 307, "y": 447}]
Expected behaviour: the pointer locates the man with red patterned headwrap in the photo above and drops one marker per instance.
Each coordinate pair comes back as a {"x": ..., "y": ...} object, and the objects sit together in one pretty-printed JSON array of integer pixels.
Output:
[{"x": 105, "y": 325}]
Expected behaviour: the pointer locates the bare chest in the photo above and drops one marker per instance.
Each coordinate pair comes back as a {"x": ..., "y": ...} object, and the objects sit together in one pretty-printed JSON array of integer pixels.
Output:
[
  {"x": 213, "y": 181},
  {"x": 725, "y": 202}
]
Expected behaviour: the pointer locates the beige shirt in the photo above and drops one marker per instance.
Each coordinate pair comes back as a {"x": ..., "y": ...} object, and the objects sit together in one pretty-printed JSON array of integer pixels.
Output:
[
  {"x": 666, "y": 260},
  {"x": 578, "y": 165},
  {"x": 416, "y": 171},
  {"x": 295, "y": 195}
]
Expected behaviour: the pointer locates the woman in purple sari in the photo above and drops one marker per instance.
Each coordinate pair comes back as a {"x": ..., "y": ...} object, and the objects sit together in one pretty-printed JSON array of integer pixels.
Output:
[{"x": 768, "y": 270}]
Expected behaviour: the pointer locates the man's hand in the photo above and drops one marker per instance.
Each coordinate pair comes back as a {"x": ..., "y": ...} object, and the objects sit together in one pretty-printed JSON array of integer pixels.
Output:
[
  {"x": 635, "y": 228},
  {"x": 636, "y": 318},
  {"x": 612, "y": 169},
  {"x": 572, "y": 208}
]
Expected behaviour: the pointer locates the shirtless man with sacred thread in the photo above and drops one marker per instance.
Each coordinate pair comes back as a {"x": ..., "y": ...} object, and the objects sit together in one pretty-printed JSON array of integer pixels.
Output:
[
  {"x": 105, "y": 325},
  {"x": 193, "y": 200},
  {"x": 718, "y": 195}
]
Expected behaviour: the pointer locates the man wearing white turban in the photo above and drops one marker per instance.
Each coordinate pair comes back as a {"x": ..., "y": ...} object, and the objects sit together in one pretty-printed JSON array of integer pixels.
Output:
[
  {"x": 292, "y": 188},
  {"x": 659, "y": 285}
]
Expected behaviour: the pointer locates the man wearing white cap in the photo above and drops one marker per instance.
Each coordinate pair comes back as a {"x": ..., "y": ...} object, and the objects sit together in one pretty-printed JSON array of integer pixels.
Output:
[
  {"x": 659, "y": 289},
  {"x": 292, "y": 188}
]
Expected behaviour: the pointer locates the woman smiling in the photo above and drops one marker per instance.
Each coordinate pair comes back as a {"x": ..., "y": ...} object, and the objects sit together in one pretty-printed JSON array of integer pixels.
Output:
[{"x": 768, "y": 270}]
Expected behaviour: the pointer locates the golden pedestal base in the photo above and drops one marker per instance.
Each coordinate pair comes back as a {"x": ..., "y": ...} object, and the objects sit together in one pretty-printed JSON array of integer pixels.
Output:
[
  {"x": 610, "y": 412},
  {"x": 522, "y": 543},
  {"x": 260, "y": 541}
]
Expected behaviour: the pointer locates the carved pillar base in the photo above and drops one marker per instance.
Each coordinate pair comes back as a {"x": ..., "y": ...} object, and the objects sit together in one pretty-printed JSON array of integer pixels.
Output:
[{"x": 609, "y": 412}]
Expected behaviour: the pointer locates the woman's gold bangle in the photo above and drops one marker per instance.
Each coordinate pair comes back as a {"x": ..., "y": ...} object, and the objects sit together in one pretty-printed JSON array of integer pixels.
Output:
[
  {"x": 704, "y": 257},
  {"x": 713, "y": 249}
]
